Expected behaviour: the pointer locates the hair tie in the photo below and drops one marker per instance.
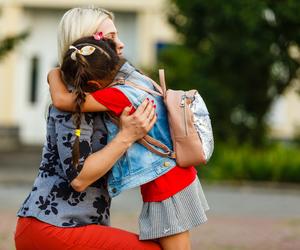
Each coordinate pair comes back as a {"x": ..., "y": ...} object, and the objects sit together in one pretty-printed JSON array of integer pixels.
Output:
[
  {"x": 85, "y": 51},
  {"x": 98, "y": 35},
  {"x": 77, "y": 132}
]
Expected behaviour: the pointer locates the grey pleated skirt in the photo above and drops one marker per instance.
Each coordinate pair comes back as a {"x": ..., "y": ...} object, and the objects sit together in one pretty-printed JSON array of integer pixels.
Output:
[{"x": 179, "y": 213}]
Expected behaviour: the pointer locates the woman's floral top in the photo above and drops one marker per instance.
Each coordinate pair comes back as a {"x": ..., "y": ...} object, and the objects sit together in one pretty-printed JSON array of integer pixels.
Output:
[{"x": 52, "y": 199}]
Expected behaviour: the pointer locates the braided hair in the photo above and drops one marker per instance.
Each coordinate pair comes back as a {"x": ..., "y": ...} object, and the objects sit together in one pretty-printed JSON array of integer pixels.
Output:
[{"x": 78, "y": 68}]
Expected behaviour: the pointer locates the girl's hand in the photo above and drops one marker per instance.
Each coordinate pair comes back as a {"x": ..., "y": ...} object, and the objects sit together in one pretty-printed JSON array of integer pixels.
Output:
[{"x": 135, "y": 126}]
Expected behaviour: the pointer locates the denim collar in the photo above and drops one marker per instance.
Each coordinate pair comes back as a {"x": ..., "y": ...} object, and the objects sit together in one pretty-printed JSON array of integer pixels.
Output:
[{"x": 125, "y": 71}]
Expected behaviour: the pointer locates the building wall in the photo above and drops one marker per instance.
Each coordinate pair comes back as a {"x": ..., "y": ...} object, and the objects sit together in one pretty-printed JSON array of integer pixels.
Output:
[
  {"x": 284, "y": 117},
  {"x": 140, "y": 25}
]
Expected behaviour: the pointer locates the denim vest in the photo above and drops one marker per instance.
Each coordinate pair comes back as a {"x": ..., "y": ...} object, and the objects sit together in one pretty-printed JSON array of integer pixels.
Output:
[{"x": 139, "y": 165}]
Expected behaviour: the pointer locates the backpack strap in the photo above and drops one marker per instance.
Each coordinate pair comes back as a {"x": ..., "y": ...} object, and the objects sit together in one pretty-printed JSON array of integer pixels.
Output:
[
  {"x": 157, "y": 86},
  {"x": 123, "y": 81},
  {"x": 147, "y": 141},
  {"x": 161, "y": 89},
  {"x": 162, "y": 81}
]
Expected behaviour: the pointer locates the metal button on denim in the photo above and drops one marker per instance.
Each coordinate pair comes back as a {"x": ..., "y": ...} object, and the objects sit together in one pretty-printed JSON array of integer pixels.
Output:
[{"x": 167, "y": 164}]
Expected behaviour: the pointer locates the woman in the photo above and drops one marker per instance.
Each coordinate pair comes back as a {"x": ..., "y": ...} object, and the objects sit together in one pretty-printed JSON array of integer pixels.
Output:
[{"x": 54, "y": 215}]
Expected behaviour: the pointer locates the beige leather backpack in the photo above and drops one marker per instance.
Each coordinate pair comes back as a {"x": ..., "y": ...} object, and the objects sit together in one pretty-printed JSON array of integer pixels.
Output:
[{"x": 189, "y": 122}]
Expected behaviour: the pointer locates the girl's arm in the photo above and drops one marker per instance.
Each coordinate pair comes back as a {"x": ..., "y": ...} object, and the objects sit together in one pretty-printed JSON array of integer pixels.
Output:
[
  {"x": 132, "y": 128},
  {"x": 64, "y": 100}
]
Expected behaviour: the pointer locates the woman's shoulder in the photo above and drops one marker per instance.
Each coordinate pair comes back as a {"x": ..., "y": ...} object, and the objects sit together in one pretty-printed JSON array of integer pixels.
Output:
[{"x": 66, "y": 118}]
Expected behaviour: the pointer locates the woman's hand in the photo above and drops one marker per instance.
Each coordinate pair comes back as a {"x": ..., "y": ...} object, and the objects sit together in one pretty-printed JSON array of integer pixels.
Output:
[
  {"x": 135, "y": 126},
  {"x": 132, "y": 127}
]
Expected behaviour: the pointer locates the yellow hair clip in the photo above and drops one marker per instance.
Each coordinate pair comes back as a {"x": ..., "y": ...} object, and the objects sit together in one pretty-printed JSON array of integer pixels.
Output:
[{"x": 77, "y": 132}]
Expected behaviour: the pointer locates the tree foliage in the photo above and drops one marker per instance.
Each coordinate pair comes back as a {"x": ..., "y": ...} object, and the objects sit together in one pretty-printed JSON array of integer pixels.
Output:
[{"x": 237, "y": 54}]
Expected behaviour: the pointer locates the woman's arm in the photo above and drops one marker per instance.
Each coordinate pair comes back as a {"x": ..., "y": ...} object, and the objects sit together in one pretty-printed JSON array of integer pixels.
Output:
[
  {"x": 132, "y": 128},
  {"x": 64, "y": 100}
]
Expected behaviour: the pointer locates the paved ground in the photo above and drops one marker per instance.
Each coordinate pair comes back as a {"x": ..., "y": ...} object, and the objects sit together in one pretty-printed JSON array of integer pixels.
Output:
[{"x": 241, "y": 217}]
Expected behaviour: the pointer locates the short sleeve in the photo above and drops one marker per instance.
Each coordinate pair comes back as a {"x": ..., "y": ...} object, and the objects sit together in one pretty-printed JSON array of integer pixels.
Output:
[{"x": 113, "y": 99}]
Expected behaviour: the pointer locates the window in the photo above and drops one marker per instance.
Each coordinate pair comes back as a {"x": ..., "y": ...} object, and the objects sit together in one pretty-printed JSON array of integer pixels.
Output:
[{"x": 34, "y": 79}]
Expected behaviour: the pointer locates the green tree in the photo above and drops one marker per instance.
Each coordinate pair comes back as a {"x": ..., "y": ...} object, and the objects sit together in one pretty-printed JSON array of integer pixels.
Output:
[{"x": 236, "y": 53}]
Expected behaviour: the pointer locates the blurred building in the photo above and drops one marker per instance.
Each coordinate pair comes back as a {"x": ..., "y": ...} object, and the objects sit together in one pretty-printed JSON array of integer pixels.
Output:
[
  {"x": 284, "y": 116},
  {"x": 143, "y": 28},
  {"x": 24, "y": 91}
]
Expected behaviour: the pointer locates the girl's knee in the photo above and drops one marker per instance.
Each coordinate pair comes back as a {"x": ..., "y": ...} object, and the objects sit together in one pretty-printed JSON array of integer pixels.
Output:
[{"x": 179, "y": 241}]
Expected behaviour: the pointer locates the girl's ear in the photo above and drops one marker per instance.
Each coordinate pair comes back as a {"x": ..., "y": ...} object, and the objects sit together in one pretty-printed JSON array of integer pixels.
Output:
[{"x": 94, "y": 83}]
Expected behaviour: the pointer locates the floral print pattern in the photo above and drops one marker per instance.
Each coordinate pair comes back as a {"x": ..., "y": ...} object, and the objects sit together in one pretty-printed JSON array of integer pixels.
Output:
[{"x": 52, "y": 199}]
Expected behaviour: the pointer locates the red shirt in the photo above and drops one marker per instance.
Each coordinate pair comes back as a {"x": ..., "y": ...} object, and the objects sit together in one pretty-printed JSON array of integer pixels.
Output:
[{"x": 164, "y": 186}]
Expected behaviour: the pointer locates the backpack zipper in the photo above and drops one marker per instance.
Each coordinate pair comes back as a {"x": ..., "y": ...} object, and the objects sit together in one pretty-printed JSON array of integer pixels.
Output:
[{"x": 182, "y": 105}]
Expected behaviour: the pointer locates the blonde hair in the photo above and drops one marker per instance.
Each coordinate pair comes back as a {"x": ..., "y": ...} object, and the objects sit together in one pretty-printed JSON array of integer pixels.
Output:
[{"x": 77, "y": 23}]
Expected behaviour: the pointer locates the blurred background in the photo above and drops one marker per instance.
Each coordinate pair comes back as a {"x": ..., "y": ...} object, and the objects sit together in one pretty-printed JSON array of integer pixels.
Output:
[{"x": 242, "y": 56}]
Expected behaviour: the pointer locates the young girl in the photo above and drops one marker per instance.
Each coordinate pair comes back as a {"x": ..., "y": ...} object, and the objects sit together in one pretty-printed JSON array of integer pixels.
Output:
[{"x": 173, "y": 200}]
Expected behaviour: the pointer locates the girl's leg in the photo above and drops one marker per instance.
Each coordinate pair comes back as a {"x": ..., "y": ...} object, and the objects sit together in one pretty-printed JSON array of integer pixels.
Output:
[
  {"x": 32, "y": 234},
  {"x": 179, "y": 241}
]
